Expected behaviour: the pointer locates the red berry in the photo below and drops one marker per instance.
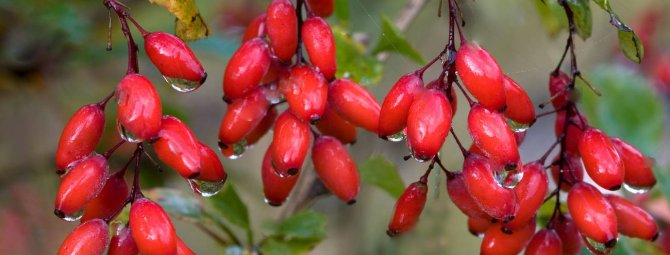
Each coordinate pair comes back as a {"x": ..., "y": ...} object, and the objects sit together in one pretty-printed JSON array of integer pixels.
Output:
[
  {"x": 263, "y": 127},
  {"x": 520, "y": 108},
  {"x": 408, "y": 209},
  {"x": 80, "y": 136},
  {"x": 139, "y": 109},
  {"x": 594, "y": 216},
  {"x": 211, "y": 168},
  {"x": 335, "y": 168},
  {"x": 323, "y": 8},
  {"x": 122, "y": 242},
  {"x": 428, "y": 123},
  {"x": 577, "y": 124},
  {"x": 638, "y": 172},
  {"x": 282, "y": 25},
  {"x": 275, "y": 187},
  {"x": 178, "y": 148},
  {"x": 320, "y": 45},
  {"x": 113, "y": 196},
  {"x": 246, "y": 69},
  {"x": 632, "y": 220},
  {"x": 498, "y": 242},
  {"x": 88, "y": 238},
  {"x": 173, "y": 58},
  {"x": 394, "y": 110},
  {"x": 545, "y": 242},
  {"x": 255, "y": 29},
  {"x": 490, "y": 132},
  {"x": 573, "y": 170},
  {"x": 354, "y": 104},
  {"x": 151, "y": 228},
  {"x": 182, "y": 248},
  {"x": 559, "y": 84},
  {"x": 458, "y": 194},
  {"x": 306, "y": 92},
  {"x": 530, "y": 192},
  {"x": 290, "y": 144},
  {"x": 601, "y": 160},
  {"x": 242, "y": 116},
  {"x": 333, "y": 125},
  {"x": 567, "y": 230},
  {"x": 481, "y": 75},
  {"x": 477, "y": 226},
  {"x": 81, "y": 185},
  {"x": 497, "y": 201}
]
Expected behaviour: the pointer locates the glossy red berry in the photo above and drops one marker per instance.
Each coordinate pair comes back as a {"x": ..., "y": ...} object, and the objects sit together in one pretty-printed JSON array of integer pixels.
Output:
[
  {"x": 333, "y": 125},
  {"x": 335, "y": 168},
  {"x": 113, "y": 195},
  {"x": 573, "y": 170},
  {"x": 178, "y": 148},
  {"x": 242, "y": 116},
  {"x": 122, "y": 242},
  {"x": 290, "y": 144},
  {"x": 151, "y": 228},
  {"x": 481, "y": 75},
  {"x": 395, "y": 108},
  {"x": 638, "y": 173},
  {"x": 490, "y": 132},
  {"x": 520, "y": 108},
  {"x": 559, "y": 84},
  {"x": 80, "y": 185},
  {"x": 477, "y": 226},
  {"x": 275, "y": 187},
  {"x": 497, "y": 201},
  {"x": 211, "y": 168},
  {"x": 458, "y": 193},
  {"x": 323, "y": 8},
  {"x": 255, "y": 29},
  {"x": 88, "y": 238},
  {"x": 282, "y": 25},
  {"x": 601, "y": 160},
  {"x": 173, "y": 58},
  {"x": 408, "y": 209},
  {"x": 545, "y": 242},
  {"x": 632, "y": 220},
  {"x": 246, "y": 68},
  {"x": 354, "y": 104},
  {"x": 428, "y": 123},
  {"x": 306, "y": 92},
  {"x": 182, "y": 248},
  {"x": 263, "y": 127},
  {"x": 498, "y": 242},
  {"x": 80, "y": 136},
  {"x": 530, "y": 192},
  {"x": 594, "y": 216},
  {"x": 139, "y": 109},
  {"x": 571, "y": 239},
  {"x": 320, "y": 45},
  {"x": 576, "y": 125}
]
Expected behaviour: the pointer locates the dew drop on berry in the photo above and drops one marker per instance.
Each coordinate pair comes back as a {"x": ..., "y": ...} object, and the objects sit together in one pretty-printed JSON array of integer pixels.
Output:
[
  {"x": 397, "y": 137},
  {"x": 127, "y": 135},
  {"x": 598, "y": 248},
  {"x": 182, "y": 85},
  {"x": 516, "y": 126},
  {"x": 636, "y": 190},
  {"x": 234, "y": 151},
  {"x": 206, "y": 188},
  {"x": 75, "y": 216},
  {"x": 273, "y": 95},
  {"x": 508, "y": 179}
]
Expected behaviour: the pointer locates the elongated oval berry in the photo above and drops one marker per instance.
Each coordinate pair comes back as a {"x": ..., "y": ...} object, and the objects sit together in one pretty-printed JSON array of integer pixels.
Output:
[
  {"x": 354, "y": 104},
  {"x": 323, "y": 8},
  {"x": 182, "y": 248},
  {"x": 306, "y": 92},
  {"x": 139, "y": 109},
  {"x": 242, "y": 116},
  {"x": 178, "y": 148},
  {"x": 255, "y": 29},
  {"x": 320, "y": 45},
  {"x": 151, "y": 228},
  {"x": 335, "y": 168},
  {"x": 573, "y": 170},
  {"x": 458, "y": 193},
  {"x": 80, "y": 136},
  {"x": 632, "y": 220},
  {"x": 333, "y": 125},
  {"x": 112, "y": 196},
  {"x": 577, "y": 123},
  {"x": 275, "y": 187},
  {"x": 520, "y": 108},
  {"x": 601, "y": 160},
  {"x": 594, "y": 216},
  {"x": 263, "y": 127},
  {"x": 498, "y": 242},
  {"x": 477, "y": 226},
  {"x": 571, "y": 239},
  {"x": 88, "y": 238},
  {"x": 246, "y": 68},
  {"x": 490, "y": 132},
  {"x": 530, "y": 192},
  {"x": 638, "y": 173},
  {"x": 290, "y": 144},
  {"x": 498, "y": 202},
  {"x": 211, "y": 169},
  {"x": 122, "y": 242},
  {"x": 545, "y": 242},
  {"x": 428, "y": 123},
  {"x": 558, "y": 89},
  {"x": 395, "y": 108},
  {"x": 80, "y": 185},
  {"x": 408, "y": 209},
  {"x": 282, "y": 25},
  {"x": 481, "y": 75},
  {"x": 173, "y": 58}
]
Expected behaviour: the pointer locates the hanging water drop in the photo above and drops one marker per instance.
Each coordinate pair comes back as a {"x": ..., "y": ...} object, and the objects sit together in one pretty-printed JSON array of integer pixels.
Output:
[
  {"x": 72, "y": 216},
  {"x": 205, "y": 188},
  {"x": 508, "y": 179},
  {"x": 127, "y": 135},
  {"x": 234, "y": 151},
  {"x": 599, "y": 248},
  {"x": 397, "y": 137},
  {"x": 636, "y": 190},
  {"x": 182, "y": 85},
  {"x": 516, "y": 126}
]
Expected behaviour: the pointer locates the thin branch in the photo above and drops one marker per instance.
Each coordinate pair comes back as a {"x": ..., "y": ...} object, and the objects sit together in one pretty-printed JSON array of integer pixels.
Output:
[{"x": 406, "y": 16}]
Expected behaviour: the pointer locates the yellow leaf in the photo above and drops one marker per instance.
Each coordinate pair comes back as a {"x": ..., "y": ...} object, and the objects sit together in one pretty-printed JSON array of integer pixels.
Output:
[{"x": 189, "y": 25}]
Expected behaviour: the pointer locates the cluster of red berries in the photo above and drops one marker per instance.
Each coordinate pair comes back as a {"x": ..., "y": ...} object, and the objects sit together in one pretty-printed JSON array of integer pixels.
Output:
[{"x": 90, "y": 193}]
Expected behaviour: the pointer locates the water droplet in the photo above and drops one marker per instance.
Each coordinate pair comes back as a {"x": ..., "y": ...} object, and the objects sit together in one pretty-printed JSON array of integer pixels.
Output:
[
  {"x": 636, "y": 190},
  {"x": 73, "y": 216},
  {"x": 205, "y": 188},
  {"x": 598, "y": 248},
  {"x": 182, "y": 85},
  {"x": 234, "y": 151},
  {"x": 127, "y": 135},
  {"x": 397, "y": 137},
  {"x": 508, "y": 179},
  {"x": 516, "y": 126}
]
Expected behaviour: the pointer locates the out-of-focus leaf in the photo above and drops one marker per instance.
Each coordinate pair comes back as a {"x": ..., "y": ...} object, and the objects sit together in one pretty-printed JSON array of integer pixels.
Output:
[
  {"x": 274, "y": 246},
  {"x": 177, "y": 203},
  {"x": 623, "y": 247},
  {"x": 379, "y": 172},
  {"x": 306, "y": 225},
  {"x": 352, "y": 61},
  {"x": 189, "y": 25},
  {"x": 231, "y": 207},
  {"x": 552, "y": 16},
  {"x": 392, "y": 40},
  {"x": 582, "y": 16},
  {"x": 662, "y": 174},
  {"x": 342, "y": 12},
  {"x": 605, "y": 4},
  {"x": 629, "y": 43}
]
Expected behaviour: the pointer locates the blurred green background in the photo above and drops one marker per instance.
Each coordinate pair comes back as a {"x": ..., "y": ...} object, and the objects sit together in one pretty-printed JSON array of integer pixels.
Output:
[{"x": 53, "y": 60}]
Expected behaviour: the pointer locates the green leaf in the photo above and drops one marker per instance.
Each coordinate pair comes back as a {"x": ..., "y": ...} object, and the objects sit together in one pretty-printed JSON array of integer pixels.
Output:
[
  {"x": 231, "y": 207},
  {"x": 342, "y": 12},
  {"x": 582, "y": 17},
  {"x": 663, "y": 176},
  {"x": 604, "y": 4},
  {"x": 629, "y": 43},
  {"x": 623, "y": 247},
  {"x": 352, "y": 61},
  {"x": 552, "y": 16},
  {"x": 306, "y": 225},
  {"x": 628, "y": 108},
  {"x": 274, "y": 246},
  {"x": 380, "y": 172},
  {"x": 177, "y": 203},
  {"x": 393, "y": 40}
]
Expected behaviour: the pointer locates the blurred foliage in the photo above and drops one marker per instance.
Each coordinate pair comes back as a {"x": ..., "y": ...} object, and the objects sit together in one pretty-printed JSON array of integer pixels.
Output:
[
  {"x": 378, "y": 171},
  {"x": 392, "y": 40},
  {"x": 296, "y": 234}
]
